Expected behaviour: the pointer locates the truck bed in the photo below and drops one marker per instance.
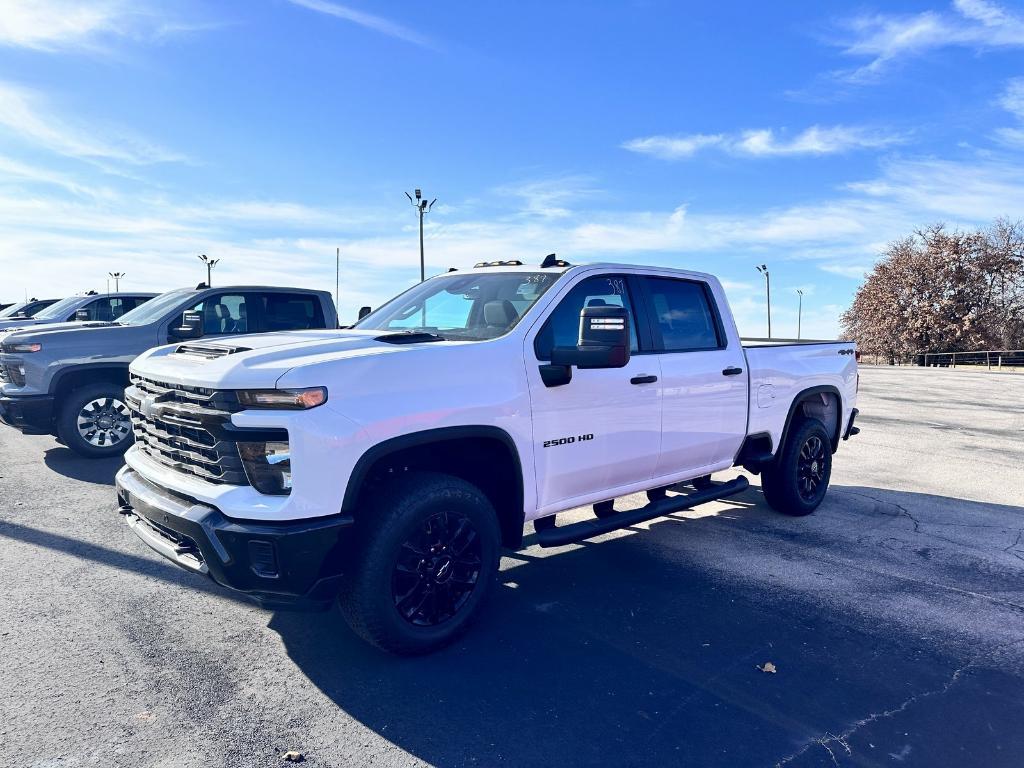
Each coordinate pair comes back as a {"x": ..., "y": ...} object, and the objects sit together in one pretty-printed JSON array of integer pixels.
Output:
[{"x": 779, "y": 370}]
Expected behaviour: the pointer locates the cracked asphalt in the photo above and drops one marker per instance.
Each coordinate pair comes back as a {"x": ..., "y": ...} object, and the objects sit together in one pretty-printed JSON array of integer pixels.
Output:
[{"x": 894, "y": 617}]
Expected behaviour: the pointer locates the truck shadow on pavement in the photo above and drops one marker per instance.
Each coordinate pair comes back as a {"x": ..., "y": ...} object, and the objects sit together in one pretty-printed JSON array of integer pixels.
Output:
[
  {"x": 66, "y": 462},
  {"x": 632, "y": 652}
]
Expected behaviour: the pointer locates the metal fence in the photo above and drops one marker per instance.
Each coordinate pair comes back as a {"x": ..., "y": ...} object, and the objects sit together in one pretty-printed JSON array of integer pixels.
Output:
[{"x": 988, "y": 359}]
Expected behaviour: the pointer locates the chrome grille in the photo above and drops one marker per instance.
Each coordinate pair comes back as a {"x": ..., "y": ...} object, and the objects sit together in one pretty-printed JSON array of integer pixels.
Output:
[{"x": 187, "y": 429}]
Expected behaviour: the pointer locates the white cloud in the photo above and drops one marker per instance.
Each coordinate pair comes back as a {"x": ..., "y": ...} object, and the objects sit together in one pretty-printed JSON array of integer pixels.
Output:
[
  {"x": 367, "y": 20},
  {"x": 51, "y": 235},
  {"x": 56, "y": 25},
  {"x": 816, "y": 140},
  {"x": 549, "y": 197},
  {"x": 673, "y": 147},
  {"x": 888, "y": 38},
  {"x": 24, "y": 115}
]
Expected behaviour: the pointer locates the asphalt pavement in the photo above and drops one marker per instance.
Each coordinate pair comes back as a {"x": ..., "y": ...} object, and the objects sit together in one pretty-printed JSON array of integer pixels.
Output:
[{"x": 893, "y": 617}]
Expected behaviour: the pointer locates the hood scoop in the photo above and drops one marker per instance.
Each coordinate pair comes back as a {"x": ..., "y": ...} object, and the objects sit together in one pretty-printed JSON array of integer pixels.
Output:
[
  {"x": 208, "y": 351},
  {"x": 409, "y": 337}
]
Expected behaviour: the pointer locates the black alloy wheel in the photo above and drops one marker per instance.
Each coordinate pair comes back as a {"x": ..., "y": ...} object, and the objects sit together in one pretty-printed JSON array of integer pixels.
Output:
[{"x": 437, "y": 570}]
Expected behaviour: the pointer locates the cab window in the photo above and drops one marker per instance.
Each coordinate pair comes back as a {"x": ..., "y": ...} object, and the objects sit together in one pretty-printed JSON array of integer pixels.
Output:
[
  {"x": 224, "y": 314},
  {"x": 291, "y": 312},
  {"x": 682, "y": 313},
  {"x": 562, "y": 328}
]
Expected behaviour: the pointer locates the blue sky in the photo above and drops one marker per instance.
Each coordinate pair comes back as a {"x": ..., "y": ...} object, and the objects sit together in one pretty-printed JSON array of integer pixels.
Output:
[{"x": 135, "y": 135}]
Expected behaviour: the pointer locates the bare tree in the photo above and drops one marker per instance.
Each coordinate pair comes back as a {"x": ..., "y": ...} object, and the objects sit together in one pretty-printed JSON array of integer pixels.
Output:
[{"x": 942, "y": 290}]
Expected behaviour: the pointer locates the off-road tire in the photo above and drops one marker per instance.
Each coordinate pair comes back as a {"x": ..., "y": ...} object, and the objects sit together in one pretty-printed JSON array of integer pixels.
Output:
[
  {"x": 398, "y": 516},
  {"x": 68, "y": 420},
  {"x": 785, "y": 481}
]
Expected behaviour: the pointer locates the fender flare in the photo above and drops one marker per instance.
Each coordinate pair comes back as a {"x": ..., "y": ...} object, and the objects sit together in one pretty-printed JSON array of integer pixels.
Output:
[
  {"x": 805, "y": 394},
  {"x": 424, "y": 437},
  {"x": 71, "y": 370}
]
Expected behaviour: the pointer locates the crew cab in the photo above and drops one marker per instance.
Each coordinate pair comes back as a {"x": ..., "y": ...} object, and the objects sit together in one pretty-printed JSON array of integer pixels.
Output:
[
  {"x": 383, "y": 466},
  {"x": 25, "y": 309},
  {"x": 68, "y": 380},
  {"x": 86, "y": 307}
]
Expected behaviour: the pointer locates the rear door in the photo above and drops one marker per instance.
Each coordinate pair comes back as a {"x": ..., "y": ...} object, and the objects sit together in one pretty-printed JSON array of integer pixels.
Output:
[
  {"x": 703, "y": 376},
  {"x": 602, "y": 430}
]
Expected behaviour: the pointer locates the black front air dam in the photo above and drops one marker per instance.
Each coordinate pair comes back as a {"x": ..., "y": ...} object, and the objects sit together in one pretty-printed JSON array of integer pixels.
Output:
[{"x": 294, "y": 564}]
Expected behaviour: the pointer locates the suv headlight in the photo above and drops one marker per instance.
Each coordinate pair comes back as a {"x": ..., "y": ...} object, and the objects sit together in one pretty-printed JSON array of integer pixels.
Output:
[
  {"x": 290, "y": 399},
  {"x": 268, "y": 465},
  {"x": 23, "y": 346}
]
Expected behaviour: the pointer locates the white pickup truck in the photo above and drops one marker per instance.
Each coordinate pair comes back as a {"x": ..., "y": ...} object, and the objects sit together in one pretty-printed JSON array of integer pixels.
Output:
[{"x": 384, "y": 466}]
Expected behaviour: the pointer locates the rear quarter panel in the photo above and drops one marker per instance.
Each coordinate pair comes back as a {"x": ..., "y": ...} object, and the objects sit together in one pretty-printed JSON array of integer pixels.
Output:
[{"x": 778, "y": 374}]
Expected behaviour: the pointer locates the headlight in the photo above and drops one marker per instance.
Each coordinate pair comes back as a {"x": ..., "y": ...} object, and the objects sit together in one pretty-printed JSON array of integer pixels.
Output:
[
  {"x": 291, "y": 399},
  {"x": 23, "y": 346},
  {"x": 268, "y": 465}
]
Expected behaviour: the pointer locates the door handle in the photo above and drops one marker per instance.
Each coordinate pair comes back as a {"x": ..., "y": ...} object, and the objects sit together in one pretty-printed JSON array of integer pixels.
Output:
[
  {"x": 732, "y": 371},
  {"x": 643, "y": 379}
]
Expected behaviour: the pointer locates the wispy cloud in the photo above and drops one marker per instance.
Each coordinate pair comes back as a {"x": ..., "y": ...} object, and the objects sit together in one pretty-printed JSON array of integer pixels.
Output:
[
  {"x": 1012, "y": 100},
  {"x": 60, "y": 25},
  {"x": 885, "y": 39},
  {"x": 367, "y": 20},
  {"x": 549, "y": 197},
  {"x": 816, "y": 140},
  {"x": 28, "y": 118}
]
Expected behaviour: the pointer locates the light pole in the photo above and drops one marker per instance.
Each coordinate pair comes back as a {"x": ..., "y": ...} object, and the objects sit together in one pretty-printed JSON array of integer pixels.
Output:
[
  {"x": 763, "y": 269},
  {"x": 799, "y": 313},
  {"x": 422, "y": 208},
  {"x": 210, "y": 264},
  {"x": 117, "y": 280}
]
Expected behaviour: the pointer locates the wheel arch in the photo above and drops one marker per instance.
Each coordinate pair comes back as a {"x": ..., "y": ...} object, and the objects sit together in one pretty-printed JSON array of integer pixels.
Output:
[
  {"x": 484, "y": 455},
  {"x": 807, "y": 396},
  {"x": 75, "y": 376}
]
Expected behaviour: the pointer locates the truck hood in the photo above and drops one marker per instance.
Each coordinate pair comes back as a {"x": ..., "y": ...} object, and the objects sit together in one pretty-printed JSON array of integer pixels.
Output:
[
  {"x": 42, "y": 325},
  {"x": 258, "y": 361},
  {"x": 61, "y": 333}
]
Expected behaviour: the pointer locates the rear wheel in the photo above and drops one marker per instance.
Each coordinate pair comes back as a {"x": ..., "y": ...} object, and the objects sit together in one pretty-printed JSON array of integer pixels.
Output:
[
  {"x": 94, "y": 421},
  {"x": 427, "y": 556},
  {"x": 796, "y": 482}
]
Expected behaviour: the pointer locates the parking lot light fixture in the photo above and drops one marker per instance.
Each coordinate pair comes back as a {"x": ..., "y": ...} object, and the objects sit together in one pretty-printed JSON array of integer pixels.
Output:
[{"x": 210, "y": 264}]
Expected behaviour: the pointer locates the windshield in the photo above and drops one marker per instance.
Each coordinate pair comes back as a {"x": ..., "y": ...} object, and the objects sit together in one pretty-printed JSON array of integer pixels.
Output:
[
  {"x": 474, "y": 306},
  {"x": 58, "y": 310},
  {"x": 154, "y": 309},
  {"x": 13, "y": 309}
]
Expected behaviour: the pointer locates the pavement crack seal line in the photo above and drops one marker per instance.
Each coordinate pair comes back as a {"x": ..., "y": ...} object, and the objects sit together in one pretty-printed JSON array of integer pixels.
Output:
[
  {"x": 917, "y": 527},
  {"x": 842, "y": 739}
]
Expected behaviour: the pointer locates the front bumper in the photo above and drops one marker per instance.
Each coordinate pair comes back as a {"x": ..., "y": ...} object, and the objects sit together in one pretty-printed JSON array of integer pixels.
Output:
[
  {"x": 294, "y": 564},
  {"x": 32, "y": 414}
]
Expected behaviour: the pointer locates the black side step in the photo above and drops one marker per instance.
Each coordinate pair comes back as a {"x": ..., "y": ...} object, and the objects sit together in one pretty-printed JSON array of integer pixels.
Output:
[{"x": 550, "y": 535}]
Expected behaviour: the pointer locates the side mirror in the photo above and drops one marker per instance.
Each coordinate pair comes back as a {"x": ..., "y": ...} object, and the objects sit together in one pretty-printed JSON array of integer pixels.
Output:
[
  {"x": 363, "y": 312},
  {"x": 82, "y": 315},
  {"x": 603, "y": 343},
  {"x": 191, "y": 326}
]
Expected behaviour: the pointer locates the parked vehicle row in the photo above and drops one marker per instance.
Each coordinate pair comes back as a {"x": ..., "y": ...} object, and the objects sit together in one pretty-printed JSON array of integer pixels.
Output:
[
  {"x": 85, "y": 307},
  {"x": 383, "y": 467},
  {"x": 68, "y": 379},
  {"x": 24, "y": 309}
]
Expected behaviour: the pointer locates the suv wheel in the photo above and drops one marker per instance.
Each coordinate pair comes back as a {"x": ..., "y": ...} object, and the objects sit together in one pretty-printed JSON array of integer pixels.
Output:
[
  {"x": 94, "y": 421},
  {"x": 427, "y": 555},
  {"x": 796, "y": 482}
]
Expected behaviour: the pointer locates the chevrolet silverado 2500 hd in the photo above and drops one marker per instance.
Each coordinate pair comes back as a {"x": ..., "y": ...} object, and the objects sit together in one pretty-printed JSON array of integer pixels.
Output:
[
  {"x": 68, "y": 379},
  {"x": 385, "y": 465}
]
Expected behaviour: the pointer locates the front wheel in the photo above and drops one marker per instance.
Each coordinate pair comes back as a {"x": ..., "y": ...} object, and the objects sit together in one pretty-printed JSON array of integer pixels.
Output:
[
  {"x": 796, "y": 482},
  {"x": 94, "y": 421},
  {"x": 427, "y": 555}
]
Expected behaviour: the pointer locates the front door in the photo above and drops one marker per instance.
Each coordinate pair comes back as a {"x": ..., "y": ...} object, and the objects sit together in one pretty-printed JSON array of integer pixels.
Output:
[{"x": 602, "y": 430}]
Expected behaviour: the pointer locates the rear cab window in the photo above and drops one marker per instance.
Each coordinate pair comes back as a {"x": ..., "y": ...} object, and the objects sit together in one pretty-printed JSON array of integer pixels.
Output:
[
  {"x": 683, "y": 314},
  {"x": 291, "y": 312}
]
